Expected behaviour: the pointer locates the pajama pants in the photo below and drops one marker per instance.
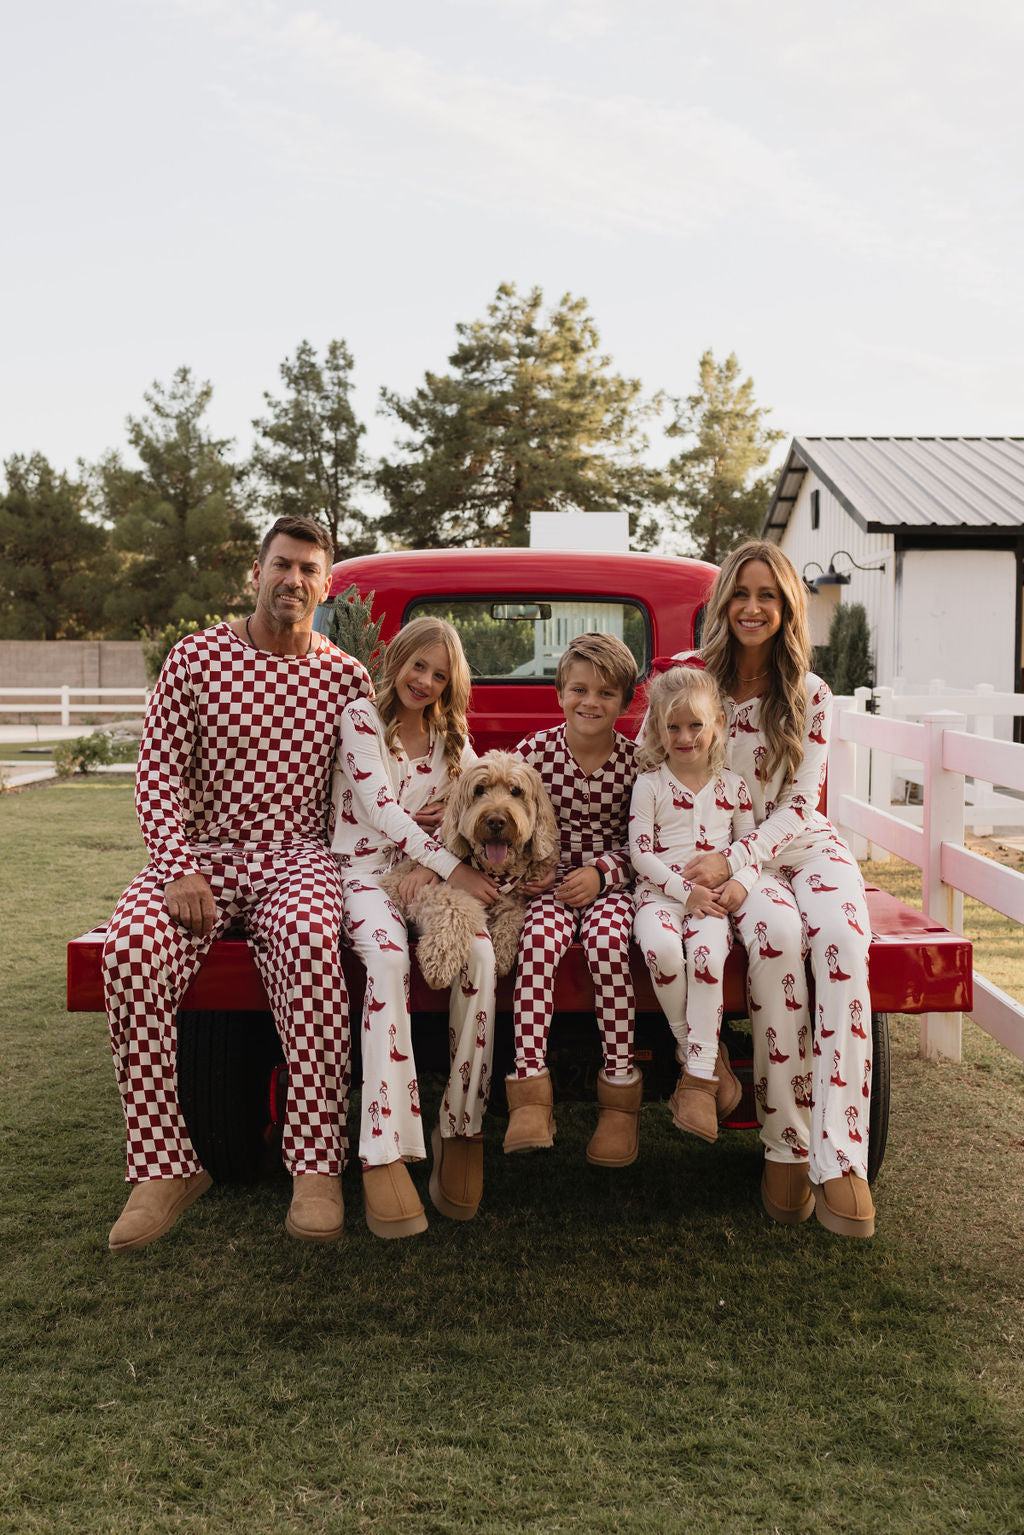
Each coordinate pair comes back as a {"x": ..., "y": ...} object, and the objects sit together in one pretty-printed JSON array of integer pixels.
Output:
[
  {"x": 289, "y": 901},
  {"x": 391, "y": 1124},
  {"x": 686, "y": 956},
  {"x": 813, "y": 1091},
  {"x": 604, "y": 929}
]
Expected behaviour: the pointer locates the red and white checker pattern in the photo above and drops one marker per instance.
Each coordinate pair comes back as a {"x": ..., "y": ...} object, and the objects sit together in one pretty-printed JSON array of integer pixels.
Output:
[
  {"x": 238, "y": 746},
  {"x": 289, "y": 901},
  {"x": 604, "y": 929},
  {"x": 592, "y": 809}
]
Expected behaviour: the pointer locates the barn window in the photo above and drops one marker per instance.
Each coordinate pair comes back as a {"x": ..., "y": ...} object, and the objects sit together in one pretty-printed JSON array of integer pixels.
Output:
[{"x": 815, "y": 510}]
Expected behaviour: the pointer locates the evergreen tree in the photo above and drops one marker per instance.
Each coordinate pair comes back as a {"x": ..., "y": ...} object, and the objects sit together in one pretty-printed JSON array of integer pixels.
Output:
[
  {"x": 720, "y": 498},
  {"x": 308, "y": 459},
  {"x": 55, "y": 564},
  {"x": 531, "y": 418},
  {"x": 180, "y": 520},
  {"x": 846, "y": 662}
]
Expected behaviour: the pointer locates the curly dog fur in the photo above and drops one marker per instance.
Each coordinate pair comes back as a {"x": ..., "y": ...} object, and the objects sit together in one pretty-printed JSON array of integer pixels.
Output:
[{"x": 498, "y": 817}]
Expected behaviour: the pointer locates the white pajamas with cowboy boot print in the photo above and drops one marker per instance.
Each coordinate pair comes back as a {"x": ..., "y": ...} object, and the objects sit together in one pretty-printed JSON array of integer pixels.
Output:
[
  {"x": 377, "y": 789},
  {"x": 592, "y": 811},
  {"x": 233, "y": 783},
  {"x": 813, "y": 1100},
  {"x": 686, "y": 954}
]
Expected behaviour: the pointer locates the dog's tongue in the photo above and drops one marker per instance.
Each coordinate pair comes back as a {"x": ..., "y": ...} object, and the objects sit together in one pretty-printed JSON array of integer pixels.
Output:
[{"x": 496, "y": 852}]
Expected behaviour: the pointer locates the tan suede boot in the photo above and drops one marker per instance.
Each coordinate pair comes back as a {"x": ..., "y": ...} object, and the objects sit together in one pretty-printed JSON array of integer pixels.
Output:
[
  {"x": 391, "y": 1203},
  {"x": 457, "y": 1179},
  {"x": 730, "y": 1089},
  {"x": 616, "y": 1141},
  {"x": 693, "y": 1105},
  {"x": 316, "y": 1213},
  {"x": 786, "y": 1192},
  {"x": 844, "y": 1205},
  {"x": 152, "y": 1209},
  {"x": 531, "y": 1123}
]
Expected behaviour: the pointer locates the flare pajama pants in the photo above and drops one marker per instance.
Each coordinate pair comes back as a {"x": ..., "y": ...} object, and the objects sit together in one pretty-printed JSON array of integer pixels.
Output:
[
  {"x": 604, "y": 929},
  {"x": 686, "y": 956},
  {"x": 391, "y": 1124},
  {"x": 289, "y": 901},
  {"x": 813, "y": 1090}
]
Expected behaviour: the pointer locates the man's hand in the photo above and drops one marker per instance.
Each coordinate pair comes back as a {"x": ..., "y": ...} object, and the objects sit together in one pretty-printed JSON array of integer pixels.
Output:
[
  {"x": 416, "y": 880},
  {"x": 704, "y": 903},
  {"x": 474, "y": 883},
  {"x": 580, "y": 887},
  {"x": 731, "y": 895},
  {"x": 709, "y": 869},
  {"x": 190, "y": 903}
]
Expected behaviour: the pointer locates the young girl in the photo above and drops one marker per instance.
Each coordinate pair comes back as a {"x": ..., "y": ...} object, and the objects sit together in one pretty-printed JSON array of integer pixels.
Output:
[
  {"x": 394, "y": 765},
  {"x": 685, "y": 801}
]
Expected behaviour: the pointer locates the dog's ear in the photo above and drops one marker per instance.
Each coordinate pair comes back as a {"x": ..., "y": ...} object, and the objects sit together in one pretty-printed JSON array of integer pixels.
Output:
[
  {"x": 455, "y": 805},
  {"x": 545, "y": 844}
]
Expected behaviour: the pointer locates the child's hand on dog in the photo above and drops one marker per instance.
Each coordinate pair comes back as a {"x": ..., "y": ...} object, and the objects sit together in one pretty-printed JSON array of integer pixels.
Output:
[
  {"x": 533, "y": 887},
  {"x": 410, "y": 887},
  {"x": 475, "y": 883}
]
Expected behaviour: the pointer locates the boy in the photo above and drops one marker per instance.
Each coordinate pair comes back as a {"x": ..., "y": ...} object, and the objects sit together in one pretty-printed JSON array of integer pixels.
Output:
[{"x": 588, "y": 769}]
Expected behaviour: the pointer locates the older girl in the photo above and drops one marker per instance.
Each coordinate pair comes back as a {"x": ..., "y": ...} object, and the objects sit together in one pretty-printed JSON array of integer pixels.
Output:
[
  {"x": 685, "y": 800},
  {"x": 394, "y": 766},
  {"x": 813, "y": 1098}
]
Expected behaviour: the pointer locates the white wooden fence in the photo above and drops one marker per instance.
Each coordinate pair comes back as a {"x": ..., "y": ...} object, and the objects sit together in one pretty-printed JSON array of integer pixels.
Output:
[
  {"x": 68, "y": 701},
  {"x": 948, "y": 756}
]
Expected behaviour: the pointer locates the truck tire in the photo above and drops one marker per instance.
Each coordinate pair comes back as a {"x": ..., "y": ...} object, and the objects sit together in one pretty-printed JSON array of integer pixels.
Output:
[
  {"x": 225, "y": 1065},
  {"x": 879, "y": 1121}
]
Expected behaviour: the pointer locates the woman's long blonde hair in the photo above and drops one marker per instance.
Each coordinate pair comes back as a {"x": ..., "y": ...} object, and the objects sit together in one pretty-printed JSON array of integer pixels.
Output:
[
  {"x": 784, "y": 702},
  {"x": 446, "y": 716},
  {"x": 694, "y": 687}
]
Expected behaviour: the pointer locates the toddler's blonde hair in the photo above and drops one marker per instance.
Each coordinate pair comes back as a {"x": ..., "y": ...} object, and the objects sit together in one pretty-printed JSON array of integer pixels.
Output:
[{"x": 693, "y": 688}]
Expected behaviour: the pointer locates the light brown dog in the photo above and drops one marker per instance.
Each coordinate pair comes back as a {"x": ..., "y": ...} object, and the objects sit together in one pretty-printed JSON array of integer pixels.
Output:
[{"x": 498, "y": 817}]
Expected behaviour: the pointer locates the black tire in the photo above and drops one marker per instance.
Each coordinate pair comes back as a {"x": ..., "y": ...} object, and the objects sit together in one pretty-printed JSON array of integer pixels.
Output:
[
  {"x": 879, "y": 1122},
  {"x": 225, "y": 1064}
]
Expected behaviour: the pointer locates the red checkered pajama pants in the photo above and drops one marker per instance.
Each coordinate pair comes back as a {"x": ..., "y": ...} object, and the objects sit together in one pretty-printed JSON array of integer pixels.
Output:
[
  {"x": 813, "y": 1090},
  {"x": 686, "y": 956},
  {"x": 604, "y": 929},
  {"x": 289, "y": 901}
]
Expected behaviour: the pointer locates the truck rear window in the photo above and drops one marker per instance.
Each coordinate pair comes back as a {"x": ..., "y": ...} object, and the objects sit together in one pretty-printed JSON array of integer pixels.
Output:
[{"x": 519, "y": 639}]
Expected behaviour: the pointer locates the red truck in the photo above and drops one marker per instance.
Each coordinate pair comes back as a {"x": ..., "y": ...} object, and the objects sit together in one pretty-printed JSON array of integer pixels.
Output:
[{"x": 515, "y": 610}]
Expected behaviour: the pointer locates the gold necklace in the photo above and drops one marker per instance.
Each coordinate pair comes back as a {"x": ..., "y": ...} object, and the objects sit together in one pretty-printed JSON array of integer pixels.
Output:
[{"x": 755, "y": 678}]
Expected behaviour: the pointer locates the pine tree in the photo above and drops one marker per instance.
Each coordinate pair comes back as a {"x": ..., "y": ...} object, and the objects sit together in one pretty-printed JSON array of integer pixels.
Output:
[
  {"x": 55, "y": 564},
  {"x": 531, "y": 418}
]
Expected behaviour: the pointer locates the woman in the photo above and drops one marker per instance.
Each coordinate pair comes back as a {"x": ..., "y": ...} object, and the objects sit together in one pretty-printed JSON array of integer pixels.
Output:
[
  {"x": 395, "y": 764},
  {"x": 813, "y": 1093}
]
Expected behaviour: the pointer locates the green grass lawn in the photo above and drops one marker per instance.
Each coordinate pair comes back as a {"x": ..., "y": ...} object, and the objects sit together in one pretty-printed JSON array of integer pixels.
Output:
[{"x": 597, "y": 1351}]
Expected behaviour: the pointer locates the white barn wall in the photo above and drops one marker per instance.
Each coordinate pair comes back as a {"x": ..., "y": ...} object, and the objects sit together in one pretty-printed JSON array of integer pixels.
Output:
[
  {"x": 874, "y": 589},
  {"x": 956, "y": 616}
]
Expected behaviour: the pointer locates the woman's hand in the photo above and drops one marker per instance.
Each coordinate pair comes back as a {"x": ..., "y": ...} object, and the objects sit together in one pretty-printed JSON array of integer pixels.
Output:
[
  {"x": 416, "y": 880},
  {"x": 580, "y": 887},
  {"x": 708, "y": 869},
  {"x": 475, "y": 883},
  {"x": 703, "y": 902},
  {"x": 731, "y": 895},
  {"x": 431, "y": 816}
]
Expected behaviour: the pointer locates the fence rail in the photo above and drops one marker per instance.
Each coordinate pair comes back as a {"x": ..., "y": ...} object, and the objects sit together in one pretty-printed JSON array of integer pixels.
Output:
[
  {"x": 948, "y": 756},
  {"x": 65, "y": 704}
]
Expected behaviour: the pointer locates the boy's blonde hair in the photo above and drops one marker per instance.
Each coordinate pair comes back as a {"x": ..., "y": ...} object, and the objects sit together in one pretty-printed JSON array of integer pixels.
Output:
[
  {"x": 695, "y": 689},
  {"x": 610, "y": 657},
  {"x": 446, "y": 716}
]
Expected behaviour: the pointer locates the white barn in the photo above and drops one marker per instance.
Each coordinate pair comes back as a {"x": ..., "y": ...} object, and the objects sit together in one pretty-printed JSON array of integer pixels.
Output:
[{"x": 939, "y": 524}]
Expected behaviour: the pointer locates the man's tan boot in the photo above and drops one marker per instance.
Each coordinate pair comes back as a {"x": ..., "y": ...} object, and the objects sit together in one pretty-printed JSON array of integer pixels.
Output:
[
  {"x": 845, "y": 1206},
  {"x": 786, "y": 1192},
  {"x": 694, "y": 1105},
  {"x": 616, "y": 1141},
  {"x": 316, "y": 1213},
  {"x": 531, "y": 1122},
  {"x": 391, "y": 1203},
  {"x": 152, "y": 1209},
  {"x": 457, "y": 1179}
]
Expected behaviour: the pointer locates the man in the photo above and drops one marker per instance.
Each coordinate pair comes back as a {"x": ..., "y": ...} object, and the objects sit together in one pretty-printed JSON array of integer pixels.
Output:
[{"x": 232, "y": 792}]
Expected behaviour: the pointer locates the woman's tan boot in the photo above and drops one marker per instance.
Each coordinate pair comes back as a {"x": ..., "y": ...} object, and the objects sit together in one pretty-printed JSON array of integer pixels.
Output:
[
  {"x": 845, "y": 1206},
  {"x": 457, "y": 1179},
  {"x": 616, "y": 1141},
  {"x": 391, "y": 1203},
  {"x": 786, "y": 1192},
  {"x": 531, "y": 1123},
  {"x": 694, "y": 1105}
]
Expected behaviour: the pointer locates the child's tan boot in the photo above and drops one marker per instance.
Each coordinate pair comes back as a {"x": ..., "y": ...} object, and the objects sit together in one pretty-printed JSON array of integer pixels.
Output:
[
  {"x": 694, "y": 1105},
  {"x": 531, "y": 1123},
  {"x": 616, "y": 1141}
]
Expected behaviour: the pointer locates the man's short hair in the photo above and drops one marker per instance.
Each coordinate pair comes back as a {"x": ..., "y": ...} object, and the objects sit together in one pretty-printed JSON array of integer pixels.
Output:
[
  {"x": 300, "y": 527},
  {"x": 609, "y": 656}
]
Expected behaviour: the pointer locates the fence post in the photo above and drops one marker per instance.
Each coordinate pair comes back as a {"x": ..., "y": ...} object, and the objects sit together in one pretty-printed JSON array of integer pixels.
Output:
[
  {"x": 983, "y": 725},
  {"x": 943, "y": 822},
  {"x": 65, "y": 705},
  {"x": 880, "y": 794}
]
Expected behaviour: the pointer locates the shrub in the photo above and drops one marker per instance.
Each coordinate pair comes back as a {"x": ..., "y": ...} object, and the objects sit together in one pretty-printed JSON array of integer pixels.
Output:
[
  {"x": 157, "y": 648},
  {"x": 846, "y": 661},
  {"x": 87, "y": 752}
]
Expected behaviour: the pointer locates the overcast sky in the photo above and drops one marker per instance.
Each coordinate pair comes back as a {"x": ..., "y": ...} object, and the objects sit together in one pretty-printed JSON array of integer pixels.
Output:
[{"x": 831, "y": 190}]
